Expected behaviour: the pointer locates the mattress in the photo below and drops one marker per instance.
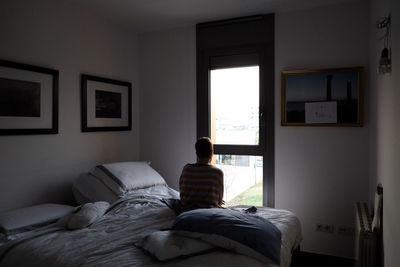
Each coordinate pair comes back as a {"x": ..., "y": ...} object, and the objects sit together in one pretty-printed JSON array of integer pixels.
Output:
[{"x": 109, "y": 241}]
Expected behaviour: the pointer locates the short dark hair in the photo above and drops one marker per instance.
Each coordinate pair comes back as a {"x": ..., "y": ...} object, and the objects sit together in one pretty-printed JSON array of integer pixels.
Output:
[{"x": 204, "y": 147}]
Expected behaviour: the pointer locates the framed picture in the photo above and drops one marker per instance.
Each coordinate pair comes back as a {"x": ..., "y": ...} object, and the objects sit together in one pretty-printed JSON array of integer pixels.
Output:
[
  {"x": 106, "y": 104},
  {"x": 324, "y": 97},
  {"x": 28, "y": 99}
]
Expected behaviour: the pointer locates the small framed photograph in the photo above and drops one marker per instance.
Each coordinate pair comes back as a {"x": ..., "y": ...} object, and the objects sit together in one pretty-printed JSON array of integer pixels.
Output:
[
  {"x": 324, "y": 97},
  {"x": 106, "y": 104},
  {"x": 28, "y": 99}
]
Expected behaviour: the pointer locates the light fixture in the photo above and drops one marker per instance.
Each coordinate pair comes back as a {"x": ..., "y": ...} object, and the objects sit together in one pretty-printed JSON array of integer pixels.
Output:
[{"x": 384, "y": 64}]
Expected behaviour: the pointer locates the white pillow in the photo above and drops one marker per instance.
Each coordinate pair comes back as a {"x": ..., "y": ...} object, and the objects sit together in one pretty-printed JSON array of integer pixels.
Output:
[
  {"x": 88, "y": 188},
  {"x": 84, "y": 215},
  {"x": 26, "y": 219},
  {"x": 166, "y": 245},
  {"x": 122, "y": 177}
]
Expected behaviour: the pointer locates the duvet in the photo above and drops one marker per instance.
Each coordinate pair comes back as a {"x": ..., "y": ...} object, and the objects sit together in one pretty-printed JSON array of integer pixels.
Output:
[{"x": 110, "y": 240}]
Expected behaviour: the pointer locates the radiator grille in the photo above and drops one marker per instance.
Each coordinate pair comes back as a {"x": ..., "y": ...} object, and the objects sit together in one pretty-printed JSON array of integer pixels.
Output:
[{"x": 365, "y": 238}]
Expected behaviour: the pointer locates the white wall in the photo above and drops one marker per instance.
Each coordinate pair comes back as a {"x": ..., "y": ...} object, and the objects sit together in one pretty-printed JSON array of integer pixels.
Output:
[
  {"x": 168, "y": 100},
  {"x": 41, "y": 168},
  {"x": 320, "y": 172},
  {"x": 387, "y": 127}
]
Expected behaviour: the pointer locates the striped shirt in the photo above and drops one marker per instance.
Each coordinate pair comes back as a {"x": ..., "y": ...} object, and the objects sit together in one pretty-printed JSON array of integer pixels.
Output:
[{"x": 202, "y": 185}]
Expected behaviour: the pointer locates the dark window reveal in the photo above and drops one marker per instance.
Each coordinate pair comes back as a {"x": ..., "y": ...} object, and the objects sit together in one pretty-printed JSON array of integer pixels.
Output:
[{"x": 226, "y": 51}]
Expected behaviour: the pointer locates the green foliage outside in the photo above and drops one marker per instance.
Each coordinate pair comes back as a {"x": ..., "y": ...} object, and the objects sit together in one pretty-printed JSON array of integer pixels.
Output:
[{"x": 252, "y": 197}]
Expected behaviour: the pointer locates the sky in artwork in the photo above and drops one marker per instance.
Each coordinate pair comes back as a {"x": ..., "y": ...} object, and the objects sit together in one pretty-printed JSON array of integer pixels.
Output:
[{"x": 313, "y": 86}]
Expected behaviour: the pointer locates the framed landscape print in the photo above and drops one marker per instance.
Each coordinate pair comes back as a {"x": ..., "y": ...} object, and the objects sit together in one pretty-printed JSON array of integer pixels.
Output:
[
  {"x": 106, "y": 104},
  {"x": 325, "y": 97},
  {"x": 28, "y": 99}
]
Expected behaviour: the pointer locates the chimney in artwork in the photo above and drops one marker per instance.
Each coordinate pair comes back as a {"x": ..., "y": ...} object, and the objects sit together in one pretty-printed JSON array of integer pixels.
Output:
[
  {"x": 328, "y": 87},
  {"x": 349, "y": 96}
]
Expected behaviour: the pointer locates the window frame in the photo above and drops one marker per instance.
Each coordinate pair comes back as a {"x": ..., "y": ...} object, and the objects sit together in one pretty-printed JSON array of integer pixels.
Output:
[{"x": 265, "y": 50}]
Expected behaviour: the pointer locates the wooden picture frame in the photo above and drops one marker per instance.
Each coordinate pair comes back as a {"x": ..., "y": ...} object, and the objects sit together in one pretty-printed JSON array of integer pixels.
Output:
[
  {"x": 322, "y": 97},
  {"x": 28, "y": 99},
  {"x": 105, "y": 104}
]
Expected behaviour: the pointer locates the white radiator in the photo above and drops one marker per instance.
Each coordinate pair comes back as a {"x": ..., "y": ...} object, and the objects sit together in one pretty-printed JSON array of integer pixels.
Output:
[{"x": 365, "y": 252}]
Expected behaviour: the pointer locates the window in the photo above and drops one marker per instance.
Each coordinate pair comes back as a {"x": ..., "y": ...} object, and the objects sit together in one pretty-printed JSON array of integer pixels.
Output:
[
  {"x": 243, "y": 179},
  {"x": 235, "y": 104}
]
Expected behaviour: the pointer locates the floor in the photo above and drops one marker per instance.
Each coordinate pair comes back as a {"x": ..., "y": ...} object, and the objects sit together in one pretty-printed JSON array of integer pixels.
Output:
[{"x": 306, "y": 259}]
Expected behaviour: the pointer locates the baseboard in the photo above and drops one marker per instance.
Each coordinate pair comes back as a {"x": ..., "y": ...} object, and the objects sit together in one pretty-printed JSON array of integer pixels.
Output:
[{"x": 309, "y": 259}]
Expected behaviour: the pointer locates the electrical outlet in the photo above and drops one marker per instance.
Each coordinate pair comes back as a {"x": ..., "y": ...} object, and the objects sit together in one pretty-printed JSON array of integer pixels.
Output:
[
  {"x": 325, "y": 228},
  {"x": 346, "y": 230},
  {"x": 329, "y": 228}
]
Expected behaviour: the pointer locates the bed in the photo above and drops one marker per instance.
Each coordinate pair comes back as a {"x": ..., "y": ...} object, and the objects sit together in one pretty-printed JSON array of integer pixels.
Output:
[{"x": 115, "y": 238}]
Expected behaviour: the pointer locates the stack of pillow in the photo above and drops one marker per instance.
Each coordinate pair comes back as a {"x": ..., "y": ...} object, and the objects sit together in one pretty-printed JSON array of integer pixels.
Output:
[
  {"x": 102, "y": 185},
  {"x": 108, "y": 182}
]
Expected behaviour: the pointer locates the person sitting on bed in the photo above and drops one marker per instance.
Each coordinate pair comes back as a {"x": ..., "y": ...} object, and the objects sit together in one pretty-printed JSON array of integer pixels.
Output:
[{"x": 201, "y": 184}]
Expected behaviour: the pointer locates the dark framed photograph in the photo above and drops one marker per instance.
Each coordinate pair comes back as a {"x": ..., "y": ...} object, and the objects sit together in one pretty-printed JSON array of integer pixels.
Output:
[
  {"x": 106, "y": 104},
  {"x": 324, "y": 97},
  {"x": 28, "y": 99}
]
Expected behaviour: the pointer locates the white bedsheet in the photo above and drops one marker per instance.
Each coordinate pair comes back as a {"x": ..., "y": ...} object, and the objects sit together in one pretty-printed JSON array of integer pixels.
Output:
[{"x": 109, "y": 241}]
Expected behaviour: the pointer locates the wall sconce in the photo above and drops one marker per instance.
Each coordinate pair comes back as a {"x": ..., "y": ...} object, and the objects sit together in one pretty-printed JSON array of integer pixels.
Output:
[{"x": 385, "y": 64}]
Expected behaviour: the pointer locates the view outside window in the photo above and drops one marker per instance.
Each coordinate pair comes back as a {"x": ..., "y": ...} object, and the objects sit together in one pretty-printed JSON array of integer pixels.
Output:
[
  {"x": 235, "y": 106},
  {"x": 243, "y": 179},
  {"x": 235, "y": 121}
]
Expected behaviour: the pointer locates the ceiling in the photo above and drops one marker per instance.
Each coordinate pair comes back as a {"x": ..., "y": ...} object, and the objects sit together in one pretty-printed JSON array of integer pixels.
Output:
[{"x": 151, "y": 15}]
